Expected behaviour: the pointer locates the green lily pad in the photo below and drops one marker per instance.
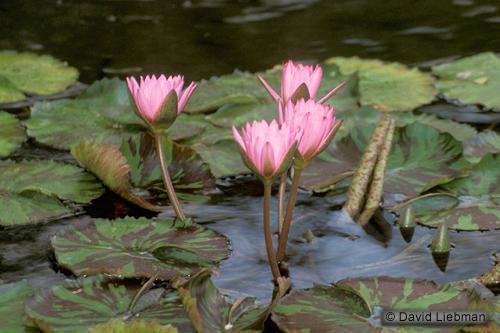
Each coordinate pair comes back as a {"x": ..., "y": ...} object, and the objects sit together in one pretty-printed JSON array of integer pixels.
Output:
[
  {"x": 236, "y": 88},
  {"x": 38, "y": 74},
  {"x": 491, "y": 279},
  {"x": 481, "y": 144},
  {"x": 238, "y": 114},
  {"x": 134, "y": 326},
  {"x": 190, "y": 175},
  {"x": 391, "y": 87},
  {"x": 471, "y": 80},
  {"x": 421, "y": 158},
  {"x": 102, "y": 114},
  {"x": 187, "y": 126},
  {"x": 79, "y": 305},
  {"x": 477, "y": 209},
  {"x": 9, "y": 92},
  {"x": 111, "y": 167},
  {"x": 404, "y": 294},
  {"x": 12, "y": 297},
  {"x": 11, "y": 133},
  {"x": 323, "y": 309},
  {"x": 31, "y": 191},
  {"x": 223, "y": 158},
  {"x": 138, "y": 248},
  {"x": 210, "y": 311}
]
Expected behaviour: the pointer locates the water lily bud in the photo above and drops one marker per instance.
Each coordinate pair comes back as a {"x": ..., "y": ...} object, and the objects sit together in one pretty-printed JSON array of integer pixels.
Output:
[
  {"x": 407, "y": 224},
  {"x": 158, "y": 101},
  {"x": 440, "y": 247}
]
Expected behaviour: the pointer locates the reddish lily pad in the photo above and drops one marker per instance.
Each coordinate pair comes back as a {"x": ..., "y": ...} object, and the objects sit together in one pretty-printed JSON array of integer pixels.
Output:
[
  {"x": 211, "y": 311},
  {"x": 477, "y": 146},
  {"x": 421, "y": 158},
  {"x": 12, "y": 297},
  {"x": 79, "y": 305},
  {"x": 134, "y": 326},
  {"x": 138, "y": 248},
  {"x": 323, "y": 309}
]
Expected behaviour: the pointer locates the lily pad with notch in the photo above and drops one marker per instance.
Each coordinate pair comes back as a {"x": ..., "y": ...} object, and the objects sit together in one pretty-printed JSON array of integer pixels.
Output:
[
  {"x": 138, "y": 248},
  {"x": 12, "y": 297},
  {"x": 33, "y": 191},
  {"x": 79, "y": 305},
  {"x": 211, "y": 311},
  {"x": 102, "y": 114}
]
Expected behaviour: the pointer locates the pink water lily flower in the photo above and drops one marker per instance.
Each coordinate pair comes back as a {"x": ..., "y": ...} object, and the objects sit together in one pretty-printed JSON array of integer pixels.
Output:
[
  {"x": 267, "y": 149},
  {"x": 150, "y": 93},
  {"x": 317, "y": 123},
  {"x": 293, "y": 77}
]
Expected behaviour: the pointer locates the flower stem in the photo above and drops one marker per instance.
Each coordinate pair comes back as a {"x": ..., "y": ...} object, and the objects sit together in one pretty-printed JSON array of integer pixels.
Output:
[
  {"x": 167, "y": 181},
  {"x": 292, "y": 197},
  {"x": 361, "y": 179},
  {"x": 281, "y": 201},
  {"x": 268, "y": 234}
]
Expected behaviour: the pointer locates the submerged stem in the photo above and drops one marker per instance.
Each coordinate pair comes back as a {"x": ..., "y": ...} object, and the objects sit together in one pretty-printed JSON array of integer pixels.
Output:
[
  {"x": 268, "y": 233},
  {"x": 292, "y": 197},
  {"x": 166, "y": 178},
  {"x": 377, "y": 184},
  {"x": 359, "y": 186},
  {"x": 281, "y": 201}
]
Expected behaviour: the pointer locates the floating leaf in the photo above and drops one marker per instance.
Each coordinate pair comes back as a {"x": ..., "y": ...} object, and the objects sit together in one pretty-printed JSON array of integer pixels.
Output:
[
  {"x": 12, "y": 297},
  {"x": 11, "y": 133},
  {"x": 134, "y": 326},
  {"x": 391, "y": 87},
  {"x": 481, "y": 144},
  {"x": 223, "y": 158},
  {"x": 491, "y": 279},
  {"x": 39, "y": 74},
  {"x": 322, "y": 309},
  {"x": 78, "y": 305},
  {"x": 31, "y": 190},
  {"x": 421, "y": 158},
  {"x": 238, "y": 114},
  {"x": 471, "y": 80},
  {"x": 210, "y": 311},
  {"x": 138, "y": 248},
  {"x": 187, "y": 126},
  {"x": 404, "y": 294},
  {"x": 101, "y": 114},
  {"x": 9, "y": 92},
  {"x": 190, "y": 175},
  {"x": 111, "y": 167},
  {"x": 236, "y": 88}
]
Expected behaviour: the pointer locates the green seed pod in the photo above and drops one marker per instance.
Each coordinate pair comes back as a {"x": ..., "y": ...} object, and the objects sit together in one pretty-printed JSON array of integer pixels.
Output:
[{"x": 407, "y": 224}]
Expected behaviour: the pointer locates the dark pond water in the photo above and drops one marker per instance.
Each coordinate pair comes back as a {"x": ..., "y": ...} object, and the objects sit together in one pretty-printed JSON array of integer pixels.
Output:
[
  {"x": 202, "y": 38},
  {"x": 212, "y": 37}
]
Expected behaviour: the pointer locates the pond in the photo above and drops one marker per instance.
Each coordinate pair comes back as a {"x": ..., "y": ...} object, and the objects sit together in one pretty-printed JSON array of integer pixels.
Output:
[{"x": 446, "y": 168}]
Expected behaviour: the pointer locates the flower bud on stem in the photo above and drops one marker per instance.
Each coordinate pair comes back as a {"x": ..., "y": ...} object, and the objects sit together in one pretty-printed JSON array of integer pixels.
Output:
[{"x": 166, "y": 177}]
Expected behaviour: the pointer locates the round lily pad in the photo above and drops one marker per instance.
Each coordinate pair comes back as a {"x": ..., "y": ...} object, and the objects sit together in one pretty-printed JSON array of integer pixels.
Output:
[
  {"x": 404, "y": 294},
  {"x": 38, "y": 74},
  {"x": 238, "y": 114},
  {"x": 391, "y": 87},
  {"x": 79, "y": 305},
  {"x": 421, "y": 158},
  {"x": 31, "y": 191},
  {"x": 9, "y": 92},
  {"x": 223, "y": 158},
  {"x": 12, "y": 297},
  {"x": 134, "y": 326},
  {"x": 471, "y": 80},
  {"x": 102, "y": 114},
  {"x": 138, "y": 248},
  {"x": 323, "y": 309},
  {"x": 12, "y": 134}
]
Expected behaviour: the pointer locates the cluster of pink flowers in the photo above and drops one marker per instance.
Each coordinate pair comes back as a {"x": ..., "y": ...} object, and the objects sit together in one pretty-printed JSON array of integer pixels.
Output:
[{"x": 305, "y": 126}]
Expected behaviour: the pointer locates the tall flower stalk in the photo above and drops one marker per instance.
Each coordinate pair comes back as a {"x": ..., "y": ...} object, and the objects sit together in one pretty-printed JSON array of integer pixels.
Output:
[
  {"x": 267, "y": 150},
  {"x": 297, "y": 81},
  {"x": 157, "y": 102}
]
